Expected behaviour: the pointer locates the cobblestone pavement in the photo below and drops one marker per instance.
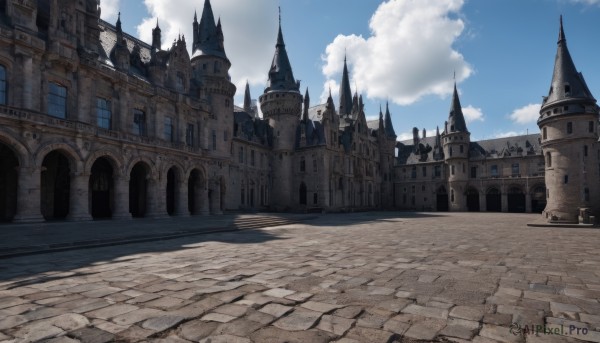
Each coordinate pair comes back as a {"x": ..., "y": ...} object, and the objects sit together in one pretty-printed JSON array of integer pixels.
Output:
[{"x": 370, "y": 277}]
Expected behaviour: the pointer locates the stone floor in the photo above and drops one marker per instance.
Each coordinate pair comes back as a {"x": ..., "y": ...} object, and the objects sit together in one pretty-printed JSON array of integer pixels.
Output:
[{"x": 369, "y": 277}]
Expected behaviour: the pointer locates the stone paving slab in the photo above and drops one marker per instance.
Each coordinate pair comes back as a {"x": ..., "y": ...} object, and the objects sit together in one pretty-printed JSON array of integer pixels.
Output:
[{"x": 365, "y": 277}]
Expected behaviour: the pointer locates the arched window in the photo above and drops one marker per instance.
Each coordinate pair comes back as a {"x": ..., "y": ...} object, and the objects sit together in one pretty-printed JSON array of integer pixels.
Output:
[
  {"x": 2, "y": 85},
  {"x": 57, "y": 100}
]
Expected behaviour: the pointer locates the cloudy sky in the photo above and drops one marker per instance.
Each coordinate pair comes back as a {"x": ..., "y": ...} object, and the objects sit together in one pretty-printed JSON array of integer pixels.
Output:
[{"x": 405, "y": 52}]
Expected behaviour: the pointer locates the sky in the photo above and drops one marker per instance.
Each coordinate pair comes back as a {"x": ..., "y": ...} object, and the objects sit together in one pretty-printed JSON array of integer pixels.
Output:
[{"x": 407, "y": 53}]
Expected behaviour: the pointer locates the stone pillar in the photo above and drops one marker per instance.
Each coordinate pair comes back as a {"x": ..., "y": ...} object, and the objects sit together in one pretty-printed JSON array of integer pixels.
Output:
[
  {"x": 155, "y": 199},
  {"x": 181, "y": 203},
  {"x": 28, "y": 196},
  {"x": 528, "y": 202},
  {"x": 504, "y": 198},
  {"x": 79, "y": 209},
  {"x": 215, "y": 204},
  {"x": 482, "y": 203},
  {"x": 121, "y": 198}
]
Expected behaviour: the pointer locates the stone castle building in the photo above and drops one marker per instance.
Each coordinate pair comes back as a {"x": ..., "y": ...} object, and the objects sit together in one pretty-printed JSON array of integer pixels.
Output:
[{"x": 95, "y": 123}]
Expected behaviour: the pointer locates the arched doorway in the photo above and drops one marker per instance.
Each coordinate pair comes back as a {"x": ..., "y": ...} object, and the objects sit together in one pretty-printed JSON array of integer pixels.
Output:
[
  {"x": 55, "y": 186},
  {"x": 538, "y": 199},
  {"x": 171, "y": 191},
  {"x": 442, "y": 199},
  {"x": 302, "y": 193},
  {"x": 493, "y": 200},
  {"x": 516, "y": 200},
  {"x": 138, "y": 189},
  {"x": 473, "y": 200},
  {"x": 101, "y": 188},
  {"x": 8, "y": 183}
]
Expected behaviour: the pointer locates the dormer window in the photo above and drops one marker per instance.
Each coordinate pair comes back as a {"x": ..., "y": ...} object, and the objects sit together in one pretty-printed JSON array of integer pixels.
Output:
[{"x": 567, "y": 90}]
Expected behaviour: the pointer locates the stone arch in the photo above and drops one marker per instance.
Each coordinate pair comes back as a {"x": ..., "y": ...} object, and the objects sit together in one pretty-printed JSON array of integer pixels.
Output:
[
  {"x": 173, "y": 189},
  {"x": 57, "y": 165},
  {"x": 71, "y": 152},
  {"x": 197, "y": 184},
  {"x": 493, "y": 199},
  {"x": 112, "y": 157},
  {"x": 103, "y": 172},
  {"x": 9, "y": 165},
  {"x": 23, "y": 155},
  {"x": 147, "y": 160},
  {"x": 140, "y": 188}
]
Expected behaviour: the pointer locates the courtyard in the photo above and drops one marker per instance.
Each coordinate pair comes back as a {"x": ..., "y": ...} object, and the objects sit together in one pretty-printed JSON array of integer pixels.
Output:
[{"x": 363, "y": 277}]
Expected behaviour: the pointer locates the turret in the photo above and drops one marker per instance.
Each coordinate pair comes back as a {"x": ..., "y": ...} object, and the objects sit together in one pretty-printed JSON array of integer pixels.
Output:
[
  {"x": 456, "y": 140},
  {"x": 156, "y": 38},
  {"x": 120, "y": 54},
  {"x": 247, "y": 99},
  {"x": 569, "y": 125},
  {"x": 281, "y": 104},
  {"x": 389, "y": 127}
]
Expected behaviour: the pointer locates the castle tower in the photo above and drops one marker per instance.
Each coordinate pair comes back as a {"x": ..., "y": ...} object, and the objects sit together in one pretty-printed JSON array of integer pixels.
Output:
[
  {"x": 281, "y": 104},
  {"x": 156, "y": 38},
  {"x": 456, "y": 139},
  {"x": 345, "y": 93},
  {"x": 210, "y": 72},
  {"x": 569, "y": 125},
  {"x": 387, "y": 147}
]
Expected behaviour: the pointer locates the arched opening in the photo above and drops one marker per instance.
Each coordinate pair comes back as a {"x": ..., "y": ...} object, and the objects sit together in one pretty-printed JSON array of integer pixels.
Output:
[
  {"x": 101, "y": 188},
  {"x": 442, "y": 199},
  {"x": 195, "y": 191},
  {"x": 138, "y": 189},
  {"x": 538, "y": 199},
  {"x": 516, "y": 200},
  {"x": 472, "y": 200},
  {"x": 302, "y": 193},
  {"x": 9, "y": 165},
  {"x": 171, "y": 191},
  {"x": 55, "y": 186},
  {"x": 493, "y": 200}
]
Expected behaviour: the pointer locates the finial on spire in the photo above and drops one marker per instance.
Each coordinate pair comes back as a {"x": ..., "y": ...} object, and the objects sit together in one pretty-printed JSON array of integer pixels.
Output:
[
  {"x": 157, "y": 23},
  {"x": 195, "y": 15},
  {"x": 561, "y": 33},
  {"x": 279, "y": 15}
]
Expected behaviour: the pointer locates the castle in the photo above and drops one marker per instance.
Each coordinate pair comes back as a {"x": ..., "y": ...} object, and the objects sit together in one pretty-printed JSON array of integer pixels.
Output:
[{"x": 95, "y": 123}]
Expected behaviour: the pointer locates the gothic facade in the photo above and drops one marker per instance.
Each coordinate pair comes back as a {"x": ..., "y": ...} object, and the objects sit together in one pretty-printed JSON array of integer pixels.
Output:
[{"x": 95, "y": 123}]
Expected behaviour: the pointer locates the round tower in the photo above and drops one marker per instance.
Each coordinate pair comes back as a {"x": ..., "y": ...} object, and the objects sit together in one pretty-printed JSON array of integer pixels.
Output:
[
  {"x": 569, "y": 125},
  {"x": 281, "y": 104},
  {"x": 455, "y": 140}
]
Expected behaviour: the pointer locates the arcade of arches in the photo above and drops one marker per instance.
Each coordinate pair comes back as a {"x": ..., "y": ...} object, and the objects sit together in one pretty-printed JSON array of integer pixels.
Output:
[
  {"x": 514, "y": 199},
  {"x": 59, "y": 188}
]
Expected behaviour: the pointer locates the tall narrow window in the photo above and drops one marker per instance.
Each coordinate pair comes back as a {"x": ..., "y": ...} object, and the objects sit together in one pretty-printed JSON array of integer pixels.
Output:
[
  {"x": 57, "y": 100},
  {"x": 241, "y": 154},
  {"x": 2, "y": 85},
  {"x": 413, "y": 173},
  {"x": 569, "y": 127},
  {"x": 494, "y": 170},
  {"x": 214, "y": 139},
  {"x": 591, "y": 126},
  {"x": 544, "y": 133},
  {"x": 586, "y": 193},
  {"x": 302, "y": 164},
  {"x": 169, "y": 129},
  {"x": 424, "y": 171},
  {"x": 252, "y": 158},
  {"x": 515, "y": 169},
  {"x": 139, "y": 122},
  {"x": 462, "y": 149},
  {"x": 314, "y": 166},
  {"x": 585, "y": 150},
  {"x": 452, "y": 169},
  {"x": 189, "y": 134},
  {"x": 103, "y": 113},
  {"x": 473, "y": 172}
]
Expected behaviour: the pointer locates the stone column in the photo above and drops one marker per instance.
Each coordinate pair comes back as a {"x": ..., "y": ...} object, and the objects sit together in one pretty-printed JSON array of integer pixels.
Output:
[
  {"x": 155, "y": 199},
  {"x": 28, "y": 196},
  {"x": 528, "y": 203},
  {"x": 504, "y": 198},
  {"x": 181, "y": 203},
  {"x": 79, "y": 209},
  {"x": 121, "y": 198}
]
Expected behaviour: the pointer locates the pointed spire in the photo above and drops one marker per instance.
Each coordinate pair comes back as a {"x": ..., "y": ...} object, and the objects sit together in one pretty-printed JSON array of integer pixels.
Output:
[
  {"x": 156, "y": 38},
  {"x": 247, "y": 99},
  {"x": 208, "y": 36},
  {"x": 345, "y": 92},
  {"x": 195, "y": 16},
  {"x": 567, "y": 82},
  {"x": 389, "y": 127},
  {"x": 118, "y": 25},
  {"x": 306, "y": 106},
  {"x": 381, "y": 124},
  {"x": 157, "y": 27},
  {"x": 456, "y": 119},
  {"x": 438, "y": 138},
  {"x": 281, "y": 76}
]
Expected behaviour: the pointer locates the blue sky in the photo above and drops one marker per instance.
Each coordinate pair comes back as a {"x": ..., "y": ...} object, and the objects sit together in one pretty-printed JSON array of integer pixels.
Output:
[{"x": 401, "y": 51}]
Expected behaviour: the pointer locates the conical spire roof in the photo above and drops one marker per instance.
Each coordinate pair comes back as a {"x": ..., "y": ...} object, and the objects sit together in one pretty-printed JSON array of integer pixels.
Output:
[
  {"x": 389, "y": 127},
  {"x": 345, "y": 92},
  {"x": 281, "y": 76},
  {"x": 456, "y": 119},
  {"x": 209, "y": 37},
  {"x": 306, "y": 106},
  {"x": 567, "y": 83},
  {"x": 247, "y": 99}
]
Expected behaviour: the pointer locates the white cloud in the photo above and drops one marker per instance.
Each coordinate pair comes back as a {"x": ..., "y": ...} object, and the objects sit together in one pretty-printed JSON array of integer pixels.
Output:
[
  {"x": 472, "y": 114},
  {"x": 508, "y": 134},
  {"x": 250, "y": 51},
  {"x": 109, "y": 10},
  {"x": 526, "y": 114},
  {"x": 409, "y": 53},
  {"x": 408, "y": 136},
  {"x": 587, "y": 2}
]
